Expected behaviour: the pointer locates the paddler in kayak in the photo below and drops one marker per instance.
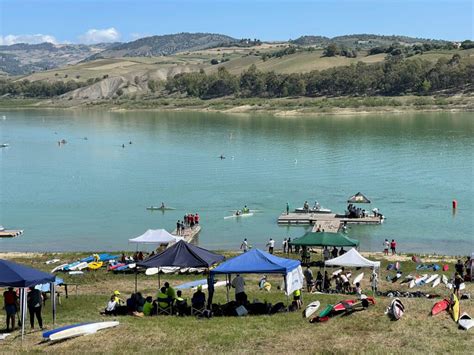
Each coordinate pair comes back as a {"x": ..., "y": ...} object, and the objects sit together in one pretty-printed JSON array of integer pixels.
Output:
[
  {"x": 238, "y": 213},
  {"x": 245, "y": 209},
  {"x": 162, "y": 206}
]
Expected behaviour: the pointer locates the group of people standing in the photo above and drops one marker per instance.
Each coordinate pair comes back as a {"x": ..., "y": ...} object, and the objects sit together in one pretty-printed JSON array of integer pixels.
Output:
[
  {"x": 189, "y": 221},
  {"x": 35, "y": 300},
  {"x": 392, "y": 245}
]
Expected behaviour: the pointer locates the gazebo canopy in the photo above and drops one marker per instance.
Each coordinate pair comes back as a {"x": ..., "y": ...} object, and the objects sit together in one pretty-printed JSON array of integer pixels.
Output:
[
  {"x": 17, "y": 275},
  {"x": 358, "y": 198},
  {"x": 322, "y": 239},
  {"x": 155, "y": 236},
  {"x": 183, "y": 254},
  {"x": 256, "y": 261},
  {"x": 352, "y": 259}
]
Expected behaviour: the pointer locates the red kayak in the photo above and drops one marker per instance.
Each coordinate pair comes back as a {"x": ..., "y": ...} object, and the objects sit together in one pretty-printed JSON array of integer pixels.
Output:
[
  {"x": 344, "y": 305},
  {"x": 113, "y": 267},
  {"x": 440, "y": 307}
]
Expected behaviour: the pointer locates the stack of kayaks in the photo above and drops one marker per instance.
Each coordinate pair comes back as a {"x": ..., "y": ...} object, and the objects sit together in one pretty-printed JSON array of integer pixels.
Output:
[
  {"x": 345, "y": 307},
  {"x": 75, "y": 330},
  {"x": 88, "y": 262}
]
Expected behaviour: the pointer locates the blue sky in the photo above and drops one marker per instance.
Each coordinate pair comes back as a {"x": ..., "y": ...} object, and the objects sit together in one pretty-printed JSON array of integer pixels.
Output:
[{"x": 92, "y": 21}]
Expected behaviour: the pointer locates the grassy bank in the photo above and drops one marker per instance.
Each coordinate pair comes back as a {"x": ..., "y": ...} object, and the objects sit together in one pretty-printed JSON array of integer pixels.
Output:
[
  {"x": 281, "y": 106},
  {"x": 367, "y": 331}
]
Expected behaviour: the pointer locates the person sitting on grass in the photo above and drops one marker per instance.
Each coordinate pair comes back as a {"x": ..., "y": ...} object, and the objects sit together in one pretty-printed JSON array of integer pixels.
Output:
[
  {"x": 198, "y": 300},
  {"x": 148, "y": 306},
  {"x": 170, "y": 291},
  {"x": 111, "y": 308},
  {"x": 181, "y": 305}
]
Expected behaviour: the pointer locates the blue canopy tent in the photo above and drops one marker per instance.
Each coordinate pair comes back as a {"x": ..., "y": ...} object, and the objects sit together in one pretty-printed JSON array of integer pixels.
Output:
[
  {"x": 22, "y": 277},
  {"x": 257, "y": 261},
  {"x": 182, "y": 254}
]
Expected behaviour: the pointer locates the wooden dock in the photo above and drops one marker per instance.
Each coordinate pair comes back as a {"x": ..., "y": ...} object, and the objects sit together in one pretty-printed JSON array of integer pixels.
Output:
[
  {"x": 10, "y": 233},
  {"x": 189, "y": 234},
  {"x": 330, "y": 222}
]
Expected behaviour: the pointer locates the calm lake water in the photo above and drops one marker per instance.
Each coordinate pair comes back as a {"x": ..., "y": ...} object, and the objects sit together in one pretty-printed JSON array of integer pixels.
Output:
[{"x": 92, "y": 194}]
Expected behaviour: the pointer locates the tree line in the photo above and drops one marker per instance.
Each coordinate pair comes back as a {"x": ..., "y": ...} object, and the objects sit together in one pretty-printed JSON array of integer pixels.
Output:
[
  {"x": 395, "y": 76},
  {"x": 38, "y": 88}
]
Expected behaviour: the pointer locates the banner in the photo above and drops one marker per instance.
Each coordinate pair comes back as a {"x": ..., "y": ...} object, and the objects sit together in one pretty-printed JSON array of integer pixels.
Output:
[{"x": 294, "y": 280}]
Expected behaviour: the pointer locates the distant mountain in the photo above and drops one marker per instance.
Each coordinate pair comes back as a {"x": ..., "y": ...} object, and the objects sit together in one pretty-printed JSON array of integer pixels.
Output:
[
  {"x": 166, "y": 45},
  {"x": 363, "y": 40},
  {"x": 23, "y": 58}
]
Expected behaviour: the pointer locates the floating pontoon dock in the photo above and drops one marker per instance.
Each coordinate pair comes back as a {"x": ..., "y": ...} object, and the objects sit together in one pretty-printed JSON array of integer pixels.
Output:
[
  {"x": 189, "y": 234},
  {"x": 330, "y": 222},
  {"x": 10, "y": 233}
]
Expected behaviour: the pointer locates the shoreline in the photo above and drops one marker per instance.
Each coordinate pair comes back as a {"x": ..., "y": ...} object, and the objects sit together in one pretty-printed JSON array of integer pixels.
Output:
[{"x": 278, "y": 107}]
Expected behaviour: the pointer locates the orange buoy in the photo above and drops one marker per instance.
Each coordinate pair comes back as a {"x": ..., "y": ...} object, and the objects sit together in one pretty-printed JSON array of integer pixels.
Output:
[{"x": 455, "y": 204}]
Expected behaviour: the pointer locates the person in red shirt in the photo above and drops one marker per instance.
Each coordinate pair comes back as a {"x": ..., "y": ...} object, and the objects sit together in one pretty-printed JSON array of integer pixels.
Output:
[
  {"x": 393, "y": 246},
  {"x": 10, "y": 301},
  {"x": 196, "y": 218}
]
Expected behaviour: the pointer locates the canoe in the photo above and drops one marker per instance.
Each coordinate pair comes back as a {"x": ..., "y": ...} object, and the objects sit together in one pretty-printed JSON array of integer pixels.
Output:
[
  {"x": 156, "y": 208},
  {"x": 115, "y": 266},
  {"x": 440, "y": 307},
  {"x": 311, "y": 308},
  {"x": 80, "y": 266},
  {"x": 48, "y": 333},
  {"x": 83, "y": 329},
  {"x": 465, "y": 321},
  {"x": 239, "y": 215}
]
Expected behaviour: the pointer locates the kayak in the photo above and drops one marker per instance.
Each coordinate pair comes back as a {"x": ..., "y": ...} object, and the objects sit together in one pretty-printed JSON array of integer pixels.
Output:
[
  {"x": 455, "y": 307},
  {"x": 239, "y": 215},
  {"x": 311, "y": 308},
  {"x": 156, "y": 208},
  {"x": 439, "y": 307},
  {"x": 396, "y": 309},
  {"x": 95, "y": 265},
  {"x": 465, "y": 321}
]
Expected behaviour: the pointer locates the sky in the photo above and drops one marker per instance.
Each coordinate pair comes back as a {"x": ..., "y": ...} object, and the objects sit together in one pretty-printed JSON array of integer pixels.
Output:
[{"x": 93, "y": 21}]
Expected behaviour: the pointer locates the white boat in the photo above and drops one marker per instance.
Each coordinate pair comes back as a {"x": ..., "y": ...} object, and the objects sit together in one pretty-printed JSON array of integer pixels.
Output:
[
  {"x": 431, "y": 278},
  {"x": 239, "y": 215},
  {"x": 84, "y": 329},
  {"x": 312, "y": 210},
  {"x": 151, "y": 271},
  {"x": 59, "y": 268}
]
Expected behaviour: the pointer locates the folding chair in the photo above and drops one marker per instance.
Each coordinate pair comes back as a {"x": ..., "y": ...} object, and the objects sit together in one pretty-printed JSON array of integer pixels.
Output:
[
  {"x": 168, "y": 310},
  {"x": 197, "y": 309}
]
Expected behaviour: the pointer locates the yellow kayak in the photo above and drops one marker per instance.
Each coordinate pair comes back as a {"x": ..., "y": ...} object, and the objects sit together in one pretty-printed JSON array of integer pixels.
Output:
[
  {"x": 455, "y": 307},
  {"x": 95, "y": 265}
]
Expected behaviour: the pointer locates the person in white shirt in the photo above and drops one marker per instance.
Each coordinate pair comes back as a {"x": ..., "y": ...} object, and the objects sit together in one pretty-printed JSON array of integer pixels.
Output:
[
  {"x": 239, "y": 284},
  {"x": 386, "y": 245},
  {"x": 271, "y": 245},
  {"x": 245, "y": 245}
]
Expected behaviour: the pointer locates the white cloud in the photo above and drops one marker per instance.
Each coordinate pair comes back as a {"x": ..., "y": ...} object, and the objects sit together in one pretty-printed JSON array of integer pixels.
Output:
[
  {"x": 27, "y": 38},
  {"x": 97, "y": 36}
]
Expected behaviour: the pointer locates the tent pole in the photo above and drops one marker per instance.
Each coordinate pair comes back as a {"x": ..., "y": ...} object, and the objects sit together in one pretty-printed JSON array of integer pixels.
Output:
[
  {"x": 227, "y": 277},
  {"x": 52, "y": 287},
  {"x": 159, "y": 279},
  {"x": 23, "y": 311},
  {"x": 324, "y": 276},
  {"x": 136, "y": 279}
]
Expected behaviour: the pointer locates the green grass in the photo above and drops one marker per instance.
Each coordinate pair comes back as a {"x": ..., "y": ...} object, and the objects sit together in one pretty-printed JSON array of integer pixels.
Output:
[{"x": 366, "y": 331}]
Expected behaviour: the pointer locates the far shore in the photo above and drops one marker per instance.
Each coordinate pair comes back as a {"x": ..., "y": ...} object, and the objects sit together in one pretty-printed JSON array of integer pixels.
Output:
[{"x": 279, "y": 107}]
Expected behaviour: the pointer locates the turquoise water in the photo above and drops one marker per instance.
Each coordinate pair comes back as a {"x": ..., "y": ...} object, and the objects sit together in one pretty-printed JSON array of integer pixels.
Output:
[{"x": 91, "y": 194}]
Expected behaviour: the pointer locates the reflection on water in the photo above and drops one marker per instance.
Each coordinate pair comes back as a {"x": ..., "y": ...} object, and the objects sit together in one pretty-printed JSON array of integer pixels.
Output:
[{"x": 92, "y": 194}]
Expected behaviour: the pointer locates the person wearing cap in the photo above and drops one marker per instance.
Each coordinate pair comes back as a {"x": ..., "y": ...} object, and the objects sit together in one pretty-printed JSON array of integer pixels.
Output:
[{"x": 117, "y": 298}]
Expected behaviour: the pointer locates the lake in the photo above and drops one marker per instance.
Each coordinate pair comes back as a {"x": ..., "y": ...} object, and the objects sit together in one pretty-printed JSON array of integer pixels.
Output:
[{"x": 92, "y": 194}]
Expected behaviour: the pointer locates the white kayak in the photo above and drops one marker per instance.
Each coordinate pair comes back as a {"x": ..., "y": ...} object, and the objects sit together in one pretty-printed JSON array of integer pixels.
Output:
[
  {"x": 412, "y": 283},
  {"x": 169, "y": 270},
  {"x": 311, "y": 309},
  {"x": 444, "y": 278},
  {"x": 436, "y": 282},
  {"x": 217, "y": 284},
  {"x": 4, "y": 335},
  {"x": 313, "y": 210},
  {"x": 151, "y": 271},
  {"x": 431, "y": 278},
  {"x": 52, "y": 261},
  {"x": 59, "y": 268},
  {"x": 79, "y": 266},
  {"x": 76, "y": 272},
  {"x": 462, "y": 286},
  {"x": 337, "y": 272},
  {"x": 358, "y": 278},
  {"x": 84, "y": 329},
  {"x": 465, "y": 321},
  {"x": 239, "y": 215}
]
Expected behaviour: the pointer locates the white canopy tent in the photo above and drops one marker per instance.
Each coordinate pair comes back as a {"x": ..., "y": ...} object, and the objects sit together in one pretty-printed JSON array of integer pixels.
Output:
[
  {"x": 156, "y": 236},
  {"x": 352, "y": 259}
]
